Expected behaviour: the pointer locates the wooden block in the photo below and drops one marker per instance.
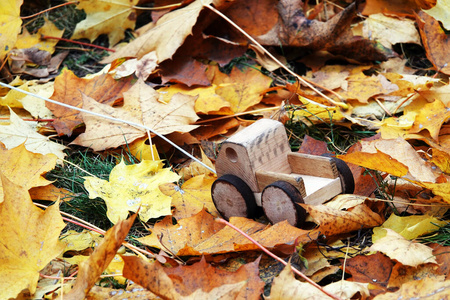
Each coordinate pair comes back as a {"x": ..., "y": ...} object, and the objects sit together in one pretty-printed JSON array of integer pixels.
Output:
[
  {"x": 265, "y": 178},
  {"x": 313, "y": 165}
]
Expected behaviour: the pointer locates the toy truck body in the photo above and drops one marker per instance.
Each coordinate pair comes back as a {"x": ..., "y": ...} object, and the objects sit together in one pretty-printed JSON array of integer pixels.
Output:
[{"x": 256, "y": 168}]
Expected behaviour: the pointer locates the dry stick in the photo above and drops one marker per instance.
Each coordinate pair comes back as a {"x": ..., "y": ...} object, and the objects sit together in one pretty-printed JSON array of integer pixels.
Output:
[
  {"x": 89, "y": 226},
  {"x": 112, "y": 119},
  {"x": 158, "y": 7},
  {"x": 277, "y": 258},
  {"x": 48, "y": 9},
  {"x": 261, "y": 48}
]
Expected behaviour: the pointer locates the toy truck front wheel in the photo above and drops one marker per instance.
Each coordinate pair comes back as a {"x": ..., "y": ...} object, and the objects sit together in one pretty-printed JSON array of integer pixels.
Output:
[{"x": 233, "y": 197}]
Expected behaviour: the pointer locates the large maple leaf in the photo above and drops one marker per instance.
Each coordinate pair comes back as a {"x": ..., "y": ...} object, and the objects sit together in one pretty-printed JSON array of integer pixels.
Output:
[
  {"x": 29, "y": 240},
  {"x": 109, "y": 17},
  {"x": 141, "y": 106}
]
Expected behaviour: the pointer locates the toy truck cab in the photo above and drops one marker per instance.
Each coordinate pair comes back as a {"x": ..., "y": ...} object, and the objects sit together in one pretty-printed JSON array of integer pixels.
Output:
[{"x": 256, "y": 168}]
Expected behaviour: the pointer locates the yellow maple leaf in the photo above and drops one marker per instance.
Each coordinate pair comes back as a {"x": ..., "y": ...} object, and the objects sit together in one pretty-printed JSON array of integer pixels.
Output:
[
  {"x": 109, "y": 17},
  {"x": 29, "y": 240},
  {"x": 242, "y": 89},
  {"x": 27, "y": 40},
  {"x": 10, "y": 25},
  {"x": 431, "y": 117},
  {"x": 192, "y": 197},
  {"x": 131, "y": 187},
  {"x": 207, "y": 102}
]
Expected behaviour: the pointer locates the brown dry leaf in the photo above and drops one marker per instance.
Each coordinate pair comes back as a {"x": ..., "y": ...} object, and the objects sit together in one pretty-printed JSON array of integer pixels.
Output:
[
  {"x": 313, "y": 146},
  {"x": 188, "y": 232},
  {"x": 106, "y": 17},
  {"x": 91, "y": 269},
  {"x": 198, "y": 281},
  {"x": 168, "y": 34},
  {"x": 29, "y": 239},
  {"x": 431, "y": 117},
  {"x": 374, "y": 269},
  {"x": 242, "y": 89},
  {"x": 69, "y": 88},
  {"x": 27, "y": 40},
  {"x": 406, "y": 252},
  {"x": 295, "y": 30},
  {"x": 399, "y": 7},
  {"x": 333, "y": 221},
  {"x": 193, "y": 196},
  {"x": 402, "y": 274},
  {"x": 141, "y": 106},
  {"x": 435, "y": 41},
  {"x": 426, "y": 288}
]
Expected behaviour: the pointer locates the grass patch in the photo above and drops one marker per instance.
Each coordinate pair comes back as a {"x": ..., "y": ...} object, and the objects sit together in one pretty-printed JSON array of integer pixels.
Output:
[{"x": 71, "y": 178}]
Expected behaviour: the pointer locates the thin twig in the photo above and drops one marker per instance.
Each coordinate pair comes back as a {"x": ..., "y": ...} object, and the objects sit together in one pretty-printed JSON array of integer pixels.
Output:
[{"x": 277, "y": 258}]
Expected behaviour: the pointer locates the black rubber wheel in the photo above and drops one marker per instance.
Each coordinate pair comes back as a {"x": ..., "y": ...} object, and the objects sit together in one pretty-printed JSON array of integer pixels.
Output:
[
  {"x": 233, "y": 197},
  {"x": 346, "y": 175},
  {"x": 279, "y": 202}
]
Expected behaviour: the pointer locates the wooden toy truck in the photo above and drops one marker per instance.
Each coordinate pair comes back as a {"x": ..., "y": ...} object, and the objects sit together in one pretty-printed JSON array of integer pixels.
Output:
[{"x": 256, "y": 168}]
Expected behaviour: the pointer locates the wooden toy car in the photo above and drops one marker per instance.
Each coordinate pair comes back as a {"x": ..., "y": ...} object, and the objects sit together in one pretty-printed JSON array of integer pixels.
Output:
[{"x": 256, "y": 168}]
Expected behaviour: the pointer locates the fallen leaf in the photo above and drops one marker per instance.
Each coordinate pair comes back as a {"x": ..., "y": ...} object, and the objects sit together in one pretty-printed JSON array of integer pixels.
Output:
[
  {"x": 133, "y": 188},
  {"x": 388, "y": 30},
  {"x": 374, "y": 269},
  {"x": 69, "y": 88},
  {"x": 141, "y": 106},
  {"x": 410, "y": 227},
  {"x": 189, "y": 282},
  {"x": 431, "y": 118},
  {"x": 91, "y": 269},
  {"x": 27, "y": 40},
  {"x": 192, "y": 197},
  {"x": 106, "y": 17},
  {"x": 179, "y": 23},
  {"x": 188, "y": 232},
  {"x": 402, "y": 274},
  {"x": 427, "y": 287},
  {"x": 20, "y": 132},
  {"x": 334, "y": 221},
  {"x": 376, "y": 161},
  {"x": 406, "y": 252},
  {"x": 435, "y": 41},
  {"x": 441, "y": 12},
  {"x": 242, "y": 89},
  {"x": 10, "y": 25},
  {"x": 207, "y": 101},
  {"x": 21, "y": 220}
]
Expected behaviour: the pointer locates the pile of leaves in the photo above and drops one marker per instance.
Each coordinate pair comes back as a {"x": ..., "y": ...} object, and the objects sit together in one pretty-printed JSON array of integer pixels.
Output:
[{"x": 191, "y": 75}]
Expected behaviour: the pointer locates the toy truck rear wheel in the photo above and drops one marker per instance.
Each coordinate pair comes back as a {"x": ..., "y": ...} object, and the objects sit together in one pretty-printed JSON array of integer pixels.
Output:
[
  {"x": 345, "y": 174},
  {"x": 279, "y": 202},
  {"x": 233, "y": 197}
]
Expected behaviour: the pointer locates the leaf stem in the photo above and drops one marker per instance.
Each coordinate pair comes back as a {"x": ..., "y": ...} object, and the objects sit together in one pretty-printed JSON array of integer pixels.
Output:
[{"x": 220, "y": 220}]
